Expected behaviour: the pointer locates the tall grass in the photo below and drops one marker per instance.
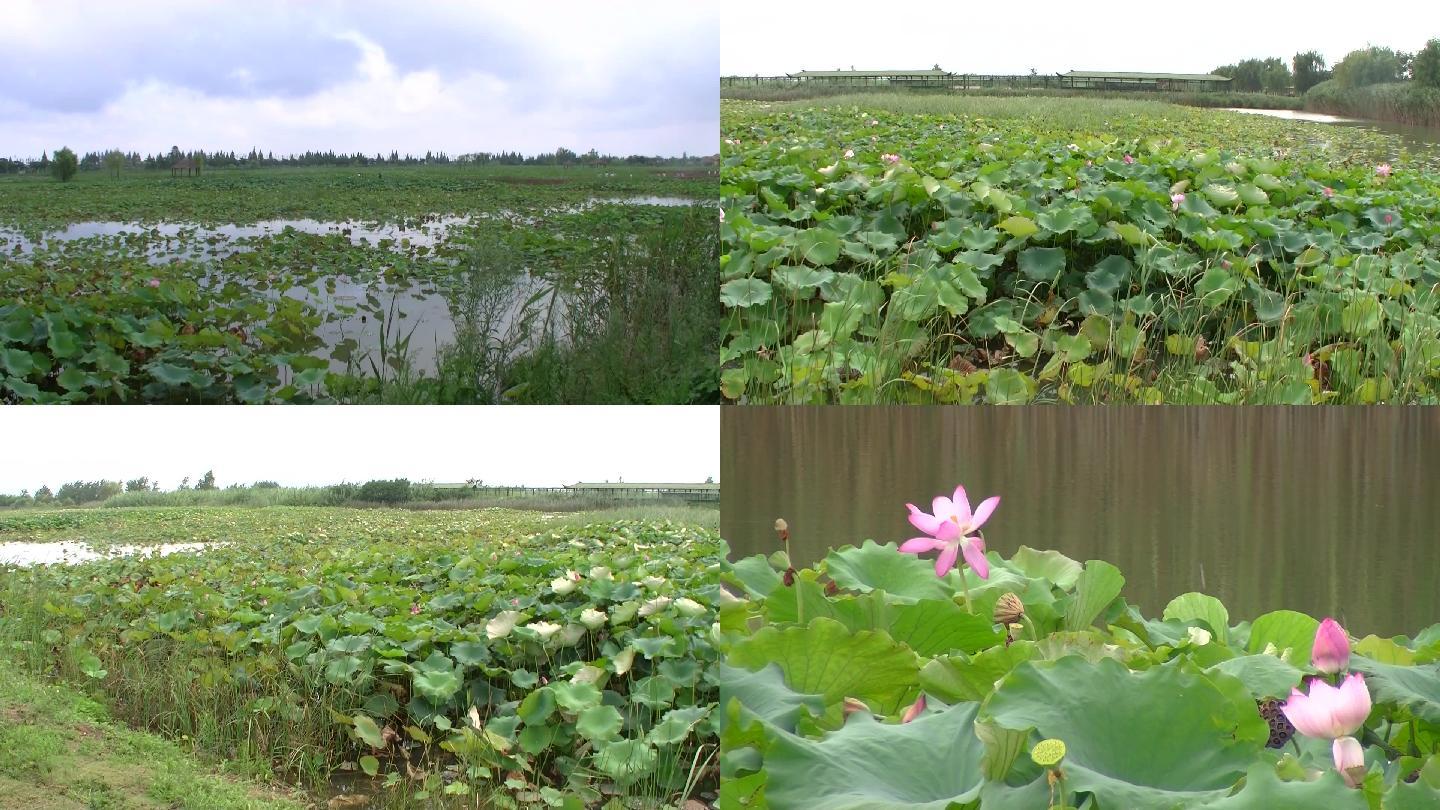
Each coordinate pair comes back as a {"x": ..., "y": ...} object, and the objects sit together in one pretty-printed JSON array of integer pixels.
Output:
[
  {"x": 1402, "y": 102},
  {"x": 422, "y": 497}
]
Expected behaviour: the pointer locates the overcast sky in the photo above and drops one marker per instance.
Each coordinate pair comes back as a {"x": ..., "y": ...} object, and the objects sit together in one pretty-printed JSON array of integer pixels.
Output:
[
  {"x": 536, "y": 446},
  {"x": 625, "y": 77},
  {"x": 1051, "y": 36}
]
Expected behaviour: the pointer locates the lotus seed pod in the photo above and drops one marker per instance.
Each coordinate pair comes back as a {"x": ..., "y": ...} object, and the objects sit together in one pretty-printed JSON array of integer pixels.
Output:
[
  {"x": 1009, "y": 609},
  {"x": 1048, "y": 753}
]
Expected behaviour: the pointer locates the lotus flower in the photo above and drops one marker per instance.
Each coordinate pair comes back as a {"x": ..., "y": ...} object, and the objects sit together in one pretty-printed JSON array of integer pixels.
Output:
[
  {"x": 1175, "y": 201},
  {"x": 1329, "y": 192},
  {"x": 1331, "y": 651},
  {"x": 1349, "y": 754},
  {"x": 414, "y": 608},
  {"x": 1129, "y": 160},
  {"x": 889, "y": 158},
  {"x": 1328, "y": 712},
  {"x": 592, "y": 618},
  {"x": 1383, "y": 170},
  {"x": 849, "y": 153},
  {"x": 154, "y": 282},
  {"x": 915, "y": 709},
  {"x": 950, "y": 530}
]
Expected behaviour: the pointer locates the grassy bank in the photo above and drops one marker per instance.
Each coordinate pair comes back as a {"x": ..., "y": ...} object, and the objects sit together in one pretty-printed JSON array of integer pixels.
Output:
[
  {"x": 417, "y": 659},
  {"x": 1258, "y": 101},
  {"x": 60, "y": 749},
  {"x": 941, "y": 249},
  {"x": 1404, "y": 103}
]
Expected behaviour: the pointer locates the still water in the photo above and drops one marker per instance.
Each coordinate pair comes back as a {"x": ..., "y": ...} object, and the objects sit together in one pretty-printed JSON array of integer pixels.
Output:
[
  {"x": 1330, "y": 511},
  {"x": 1415, "y": 138}
]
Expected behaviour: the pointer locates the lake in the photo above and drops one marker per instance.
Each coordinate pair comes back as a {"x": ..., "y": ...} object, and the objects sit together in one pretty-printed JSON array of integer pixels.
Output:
[
  {"x": 1416, "y": 138},
  {"x": 1330, "y": 511}
]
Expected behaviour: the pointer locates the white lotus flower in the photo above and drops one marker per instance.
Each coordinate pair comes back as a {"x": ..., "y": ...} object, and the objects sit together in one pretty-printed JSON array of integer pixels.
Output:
[
  {"x": 655, "y": 605},
  {"x": 592, "y": 618},
  {"x": 849, "y": 153},
  {"x": 501, "y": 625},
  {"x": 689, "y": 607},
  {"x": 652, "y": 581},
  {"x": 601, "y": 572},
  {"x": 563, "y": 585},
  {"x": 545, "y": 629},
  {"x": 1199, "y": 636}
]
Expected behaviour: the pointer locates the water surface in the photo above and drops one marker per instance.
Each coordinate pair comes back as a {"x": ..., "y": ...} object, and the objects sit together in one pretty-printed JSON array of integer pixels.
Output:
[
  {"x": 1331, "y": 511},
  {"x": 1416, "y": 138},
  {"x": 72, "y": 552}
]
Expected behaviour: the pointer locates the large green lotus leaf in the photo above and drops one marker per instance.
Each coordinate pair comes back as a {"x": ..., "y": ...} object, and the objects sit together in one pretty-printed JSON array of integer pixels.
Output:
[
  {"x": 875, "y": 567},
  {"x": 744, "y": 292},
  {"x": 824, "y": 658},
  {"x": 931, "y": 627},
  {"x": 1417, "y": 795},
  {"x": 1096, "y": 588},
  {"x": 1415, "y": 688},
  {"x": 817, "y": 246},
  {"x": 1041, "y": 263},
  {"x": 958, "y": 677},
  {"x": 1059, "y": 570},
  {"x": 754, "y": 574},
  {"x": 1264, "y": 675},
  {"x": 1191, "y": 606},
  {"x": 1162, "y": 738},
  {"x": 928, "y": 763},
  {"x": 1265, "y": 790},
  {"x": 1285, "y": 629}
]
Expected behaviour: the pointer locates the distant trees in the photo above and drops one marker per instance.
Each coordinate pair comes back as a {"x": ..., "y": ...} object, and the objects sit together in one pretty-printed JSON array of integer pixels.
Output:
[
  {"x": 141, "y": 484},
  {"x": 1425, "y": 68},
  {"x": 207, "y": 481},
  {"x": 1309, "y": 70},
  {"x": 115, "y": 161},
  {"x": 1257, "y": 75},
  {"x": 77, "y": 492},
  {"x": 1372, "y": 65},
  {"x": 65, "y": 165}
]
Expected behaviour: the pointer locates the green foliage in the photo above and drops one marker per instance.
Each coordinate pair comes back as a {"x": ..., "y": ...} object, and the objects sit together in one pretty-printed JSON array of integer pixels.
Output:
[
  {"x": 1426, "y": 66},
  {"x": 1308, "y": 70},
  {"x": 1372, "y": 65},
  {"x": 1269, "y": 75},
  {"x": 412, "y": 637},
  {"x": 64, "y": 165},
  {"x": 1160, "y": 714},
  {"x": 1048, "y": 256},
  {"x": 78, "y": 492},
  {"x": 393, "y": 491}
]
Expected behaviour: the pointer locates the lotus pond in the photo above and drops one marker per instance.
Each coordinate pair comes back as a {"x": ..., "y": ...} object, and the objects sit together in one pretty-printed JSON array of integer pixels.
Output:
[
  {"x": 956, "y": 250},
  {"x": 308, "y": 285},
  {"x": 457, "y": 658},
  {"x": 880, "y": 679}
]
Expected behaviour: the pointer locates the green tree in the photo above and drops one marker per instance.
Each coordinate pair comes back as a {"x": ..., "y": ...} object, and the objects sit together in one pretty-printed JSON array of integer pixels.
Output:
[
  {"x": 64, "y": 164},
  {"x": 1426, "y": 65},
  {"x": 207, "y": 481},
  {"x": 1257, "y": 75},
  {"x": 1372, "y": 65},
  {"x": 44, "y": 495},
  {"x": 114, "y": 161},
  {"x": 1309, "y": 70}
]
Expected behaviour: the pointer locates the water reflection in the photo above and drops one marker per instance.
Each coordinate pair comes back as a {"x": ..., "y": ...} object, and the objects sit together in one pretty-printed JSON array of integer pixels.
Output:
[
  {"x": 1328, "y": 511},
  {"x": 1417, "y": 138}
]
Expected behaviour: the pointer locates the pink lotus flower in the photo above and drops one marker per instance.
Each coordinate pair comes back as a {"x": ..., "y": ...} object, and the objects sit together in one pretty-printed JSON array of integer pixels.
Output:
[
  {"x": 1389, "y": 218},
  {"x": 1331, "y": 651},
  {"x": 1129, "y": 160},
  {"x": 414, "y": 608},
  {"x": 1383, "y": 170},
  {"x": 889, "y": 158},
  {"x": 915, "y": 709},
  {"x": 950, "y": 529},
  {"x": 1175, "y": 201},
  {"x": 154, "y": 282},
  {"x": 1348, "y": 755},
  {"x": 1329, "y": 192},
  {"x": 1329, "y": 713}
]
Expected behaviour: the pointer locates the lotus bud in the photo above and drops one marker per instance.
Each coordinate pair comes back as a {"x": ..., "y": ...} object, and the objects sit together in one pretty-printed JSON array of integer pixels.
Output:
[
  {"x": 1331, "y": 651},
  {"x": 782, "y": 529},
  {"x": 853, "y": 705},
  {"x": 1349, "y": 760},
  {"x": 1009, "y": 609},
  {"x": 592, "y": 618},
  {"x": 915, "y": 709},
  {"x": 545, "y": 629}
]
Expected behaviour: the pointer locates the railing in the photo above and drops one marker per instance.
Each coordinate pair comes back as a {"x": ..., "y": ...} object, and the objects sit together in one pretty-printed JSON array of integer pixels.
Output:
[{"x": 962, "y": 82}]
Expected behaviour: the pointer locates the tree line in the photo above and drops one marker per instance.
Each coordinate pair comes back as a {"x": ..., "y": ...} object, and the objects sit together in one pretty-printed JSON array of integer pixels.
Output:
[
  {"x": 1359, "y": 68},
  {"x": 65, "y": 162}
]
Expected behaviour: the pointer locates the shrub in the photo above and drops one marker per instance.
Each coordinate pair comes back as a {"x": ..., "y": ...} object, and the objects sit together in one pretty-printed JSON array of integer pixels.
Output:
[
  {"x": 393, "y": 491},
  {"x": 264, "y": 485},
  {"x": 78, "y": 492},
  {"x": 64, "y": 165}
]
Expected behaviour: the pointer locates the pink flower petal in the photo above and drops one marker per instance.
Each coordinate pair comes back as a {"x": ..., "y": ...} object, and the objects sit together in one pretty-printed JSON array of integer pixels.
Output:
[
  {"x": 974, "y": 549},
  {"x": 962, "y": 505},
  {"x": 946, "y": 560},
  {"x": 1331, "y": 650},
  {"x": 1304, "y": 715},
  {"x": 1349, "y": 754},
  {"x": 943, "y": 507},
  {"x": 920, "y": 545},
  {"x": 1352, "y": 703},
  {"x": 925, "y": 523},
  {"x": 982, "y": 514},
  {"x": 948, "y": 531}
]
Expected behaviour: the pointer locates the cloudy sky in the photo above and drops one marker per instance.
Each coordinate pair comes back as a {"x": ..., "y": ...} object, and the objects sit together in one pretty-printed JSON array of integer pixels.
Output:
[
  {"x": 536, "y": 446},
  {"x": 632, "y": 76},
  {"x": 1053, "y": 36}
]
